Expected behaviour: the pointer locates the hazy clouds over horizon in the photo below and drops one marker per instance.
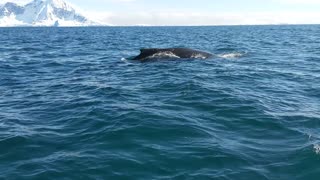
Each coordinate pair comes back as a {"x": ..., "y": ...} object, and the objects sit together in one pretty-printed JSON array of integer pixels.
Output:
[{"x": 200, "y": 12}]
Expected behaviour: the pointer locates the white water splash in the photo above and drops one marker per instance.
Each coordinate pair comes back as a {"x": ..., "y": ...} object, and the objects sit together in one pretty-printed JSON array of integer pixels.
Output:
[
  {"x": 231, "y": 55},
  {"x": 198, "y": 56},
  {"x": 125, "y": 61},
  {"x": 317, "y": 148},
  {"x": 166, "y": 54}
]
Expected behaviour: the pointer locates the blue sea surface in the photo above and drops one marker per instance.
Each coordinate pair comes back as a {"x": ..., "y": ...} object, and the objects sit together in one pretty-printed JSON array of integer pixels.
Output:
[{"x": 74, "y": 106}]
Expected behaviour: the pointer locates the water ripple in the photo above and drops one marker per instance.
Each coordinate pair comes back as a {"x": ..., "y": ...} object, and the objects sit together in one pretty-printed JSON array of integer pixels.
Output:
[{"x": 71, "y": 99}]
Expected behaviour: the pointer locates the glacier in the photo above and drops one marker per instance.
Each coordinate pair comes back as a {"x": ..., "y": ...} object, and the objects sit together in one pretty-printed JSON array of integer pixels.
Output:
[{"x": 42, "y": 13}]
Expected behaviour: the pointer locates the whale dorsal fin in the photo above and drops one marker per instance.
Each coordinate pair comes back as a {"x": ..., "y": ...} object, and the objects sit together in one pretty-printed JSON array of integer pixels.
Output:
[
  {"x": 147, "y": 50},
  {"x": 143, "y": 50}
]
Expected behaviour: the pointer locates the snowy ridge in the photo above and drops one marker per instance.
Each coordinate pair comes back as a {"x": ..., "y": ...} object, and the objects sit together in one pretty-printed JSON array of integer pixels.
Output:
[{"x": 42, "y": 13}]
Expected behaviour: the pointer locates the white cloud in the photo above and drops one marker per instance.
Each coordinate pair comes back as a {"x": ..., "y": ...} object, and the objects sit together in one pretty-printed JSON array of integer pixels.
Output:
[
  {"x": 21, "y": 2},
  {"x": 121, "y": 0},
  {"x": 299, "y": 1},
  {"x": 196, "y": 18}
]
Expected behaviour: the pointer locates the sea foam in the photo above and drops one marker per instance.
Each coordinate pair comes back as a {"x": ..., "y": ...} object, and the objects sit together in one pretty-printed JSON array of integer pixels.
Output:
[
  {"x": 231, "y": 55},
  {"x": 317, "y": 148}
]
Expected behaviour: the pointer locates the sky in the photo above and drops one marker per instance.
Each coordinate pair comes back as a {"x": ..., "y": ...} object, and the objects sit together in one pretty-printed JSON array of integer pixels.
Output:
[{"x": 198, "y": 12}]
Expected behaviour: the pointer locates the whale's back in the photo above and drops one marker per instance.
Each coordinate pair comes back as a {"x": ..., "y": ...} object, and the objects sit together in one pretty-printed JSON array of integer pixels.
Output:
[{"x": 171, "y": 53}]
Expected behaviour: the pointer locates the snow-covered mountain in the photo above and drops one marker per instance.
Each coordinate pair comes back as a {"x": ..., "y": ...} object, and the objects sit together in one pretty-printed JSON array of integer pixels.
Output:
[{"x": 42, "y": 13}]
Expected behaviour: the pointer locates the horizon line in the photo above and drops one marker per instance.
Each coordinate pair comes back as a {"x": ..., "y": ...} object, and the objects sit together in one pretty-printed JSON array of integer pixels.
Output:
[{"x": 218, "y": 25}]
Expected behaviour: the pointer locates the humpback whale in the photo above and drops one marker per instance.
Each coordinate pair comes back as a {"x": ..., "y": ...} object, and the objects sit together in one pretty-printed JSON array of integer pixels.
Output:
[{"x": 184, "y": 53}]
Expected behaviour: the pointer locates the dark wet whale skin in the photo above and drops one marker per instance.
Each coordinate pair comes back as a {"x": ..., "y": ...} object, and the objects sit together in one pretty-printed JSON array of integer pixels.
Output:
[{"x": 185, "y": 53}]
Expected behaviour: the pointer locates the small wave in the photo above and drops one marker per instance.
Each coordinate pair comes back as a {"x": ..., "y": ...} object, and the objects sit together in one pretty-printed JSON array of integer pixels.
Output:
[
  {"x": 125, "y": 61},
  {"x": 231, "y": 55},
  {"x": 317, "y": 148}
]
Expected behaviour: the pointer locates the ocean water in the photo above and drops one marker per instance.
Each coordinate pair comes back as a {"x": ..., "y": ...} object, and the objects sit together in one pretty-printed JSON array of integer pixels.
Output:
[{"x": 74, "y": 106}]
